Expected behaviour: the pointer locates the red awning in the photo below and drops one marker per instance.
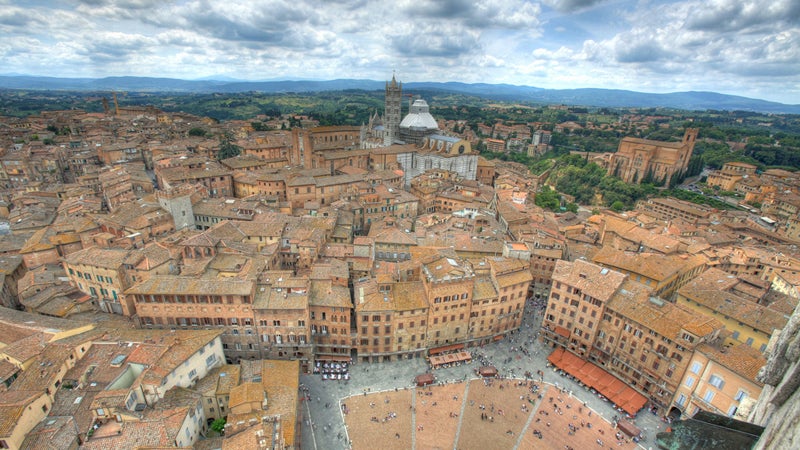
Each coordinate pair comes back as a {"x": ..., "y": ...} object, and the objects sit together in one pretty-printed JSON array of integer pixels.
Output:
[
  {"x": 586, "y": 374},
  {"x": 424, "y": 379},
  {"x": 555, "y": 357},
  {"x": 562, "y": 331},
  {"x": 628, "y": 428},
  {"x": 446, "y": 348},
  {"x": 592, "y": 375},
  {"x": 487, "y": 371},
  {"x": 450, "y": 358}
]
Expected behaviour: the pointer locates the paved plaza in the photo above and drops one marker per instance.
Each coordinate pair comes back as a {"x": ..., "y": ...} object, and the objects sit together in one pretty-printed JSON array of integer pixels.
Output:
[{"x": 394, "y": 415}]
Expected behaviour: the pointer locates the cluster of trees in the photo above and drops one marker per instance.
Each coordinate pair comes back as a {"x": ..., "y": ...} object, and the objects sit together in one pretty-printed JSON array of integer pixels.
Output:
[{"x": 589, "y": 185}]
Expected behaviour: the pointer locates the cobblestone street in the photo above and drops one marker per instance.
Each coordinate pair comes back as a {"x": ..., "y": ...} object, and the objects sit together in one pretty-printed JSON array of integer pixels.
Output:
[{"x": 323, "y": 423}]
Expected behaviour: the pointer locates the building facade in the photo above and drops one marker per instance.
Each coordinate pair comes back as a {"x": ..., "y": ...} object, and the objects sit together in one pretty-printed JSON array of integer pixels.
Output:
[{"x": 638, "y": 160}]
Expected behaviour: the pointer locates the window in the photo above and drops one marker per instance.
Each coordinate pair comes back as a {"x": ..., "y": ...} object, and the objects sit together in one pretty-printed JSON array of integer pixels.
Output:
[
  {"x": 749, "y": 341},
  {"x": 689, "y": 381},
  {"x": 709, "y": 396},
  {"x": 211, "y": 359},
  {"x": 716, "y": 381},
  {"x": 681, "y": 400},
  {"x": 741, "y": 395},
  {"x": 695, "y": 369}
]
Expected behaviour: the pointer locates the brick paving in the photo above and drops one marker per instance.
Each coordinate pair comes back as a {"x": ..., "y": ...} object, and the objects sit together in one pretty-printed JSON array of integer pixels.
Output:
[{"x": 324, "y": 423}]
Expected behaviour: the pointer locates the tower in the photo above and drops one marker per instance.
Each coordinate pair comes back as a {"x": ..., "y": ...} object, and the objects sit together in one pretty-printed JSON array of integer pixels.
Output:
[{"x": 392, "y": 108}]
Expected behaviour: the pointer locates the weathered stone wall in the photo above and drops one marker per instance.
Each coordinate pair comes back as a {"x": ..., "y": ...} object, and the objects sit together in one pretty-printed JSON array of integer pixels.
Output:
[{"x": 778, "y": 407}]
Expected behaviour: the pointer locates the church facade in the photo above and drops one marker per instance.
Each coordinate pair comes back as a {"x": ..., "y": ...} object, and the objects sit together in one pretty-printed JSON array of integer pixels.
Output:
[
  {"x": 639, "y": 159},
  {"x": 439, "y": 152}
]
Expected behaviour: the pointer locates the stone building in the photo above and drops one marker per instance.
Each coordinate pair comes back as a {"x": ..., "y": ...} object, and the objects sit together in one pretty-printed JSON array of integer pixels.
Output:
[
  {"x": 639, "y": 159},
  {"x": 601, "y": 316},
  {"x": 778, "y": 406},
  {"x": 437, "y": 152},
  {"x": 731, "y": 173},
  {"x": 719, "y": 379}
]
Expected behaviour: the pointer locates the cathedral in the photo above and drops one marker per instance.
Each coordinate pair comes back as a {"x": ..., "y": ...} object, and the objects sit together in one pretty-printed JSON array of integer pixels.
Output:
[{"x": 431, "y": 149}]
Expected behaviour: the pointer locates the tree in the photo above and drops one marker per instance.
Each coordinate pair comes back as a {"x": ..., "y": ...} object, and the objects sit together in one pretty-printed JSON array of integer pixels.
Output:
[
  {"x": 218, "y": 425},
  {"x": 548, "y": 199},
  {"x": 197, "y": 131},
  {"x": 618, "y": 206},
  {"x": 228, "y": 150}
]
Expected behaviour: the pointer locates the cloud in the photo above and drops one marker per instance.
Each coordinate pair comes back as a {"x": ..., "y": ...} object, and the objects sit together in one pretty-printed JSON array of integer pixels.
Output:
[
  {"x": 123, "y": 4},
  {"x": 511, "y": 14},
  {"x": 660, "y": 45},
  {"x": 116, "y": 47},
  {"x": 17, "y": 18},
  {"x": 640, "y": 52},
  {"x": 743, "y": 15},
  {"x": 569, "y": 6},
  {"x": 439, "y": 42}
]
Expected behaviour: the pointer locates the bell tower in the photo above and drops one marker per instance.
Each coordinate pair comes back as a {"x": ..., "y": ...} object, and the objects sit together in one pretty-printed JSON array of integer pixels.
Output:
[{"x": 392, "y": 110}]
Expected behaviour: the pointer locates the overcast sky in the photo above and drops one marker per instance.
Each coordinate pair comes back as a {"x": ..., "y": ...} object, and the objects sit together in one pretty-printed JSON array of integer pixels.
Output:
[{"x": 742, "y": 47}]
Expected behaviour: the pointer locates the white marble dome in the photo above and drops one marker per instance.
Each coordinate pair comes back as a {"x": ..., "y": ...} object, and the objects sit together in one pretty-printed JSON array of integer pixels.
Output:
[{"x": 419, "y": 118}]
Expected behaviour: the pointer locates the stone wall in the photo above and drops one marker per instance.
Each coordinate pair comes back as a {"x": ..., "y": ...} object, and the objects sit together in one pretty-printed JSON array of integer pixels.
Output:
[{"x": 778, "y": 407}]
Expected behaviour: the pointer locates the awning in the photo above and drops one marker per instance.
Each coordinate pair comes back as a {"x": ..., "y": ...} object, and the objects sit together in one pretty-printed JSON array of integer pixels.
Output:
[
  {"x": 555, "y": 357},
  {"x": 499, "y": 337},
  {"x": 450, "y": 358},
  {"x": 341, "y": 358},
  {"x": 562, "y": 331},
  {"x": 446, "y": 348},
  {"x": 628, "y": 428},
  {"x": 594, "y": 376},
  {"x": 424, "y": 379},
  {"x": 487, "y": 371}
]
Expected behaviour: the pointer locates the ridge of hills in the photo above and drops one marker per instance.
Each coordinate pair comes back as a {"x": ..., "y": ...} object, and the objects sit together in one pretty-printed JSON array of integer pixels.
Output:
[{"x": 596, "y": 97}]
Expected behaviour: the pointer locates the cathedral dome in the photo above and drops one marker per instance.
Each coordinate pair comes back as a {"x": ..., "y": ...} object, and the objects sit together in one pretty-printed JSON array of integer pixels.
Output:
[{"x": 419, "y": 118}]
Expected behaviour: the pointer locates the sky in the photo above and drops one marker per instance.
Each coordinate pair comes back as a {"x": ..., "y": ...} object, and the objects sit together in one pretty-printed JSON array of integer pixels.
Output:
[{"x": 741, "y": 47}]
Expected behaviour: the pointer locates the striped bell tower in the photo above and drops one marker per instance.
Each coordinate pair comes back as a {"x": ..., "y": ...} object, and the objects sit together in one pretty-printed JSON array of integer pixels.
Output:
[{"x": 392, "y": 110}]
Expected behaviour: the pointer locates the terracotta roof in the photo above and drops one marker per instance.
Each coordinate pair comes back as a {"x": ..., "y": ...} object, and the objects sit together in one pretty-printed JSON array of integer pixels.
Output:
[
  {"x": 12, "y": 406},
  {"x": 248, "y": 392},
  {"x": 633, "y": 301},
  {"x": 656, "y": 266},
  {"x": 739, "y": 358},
  {"x": 110, "y": 258},
  {"x": 323, "y": 293},
  {"x": 52, "y": 433},
  {"x": 484, "y": 289},
  {"x": 711, "y": 290},
  {"x": 591, "y": 279},
  {"x": 166, "y": 284}
]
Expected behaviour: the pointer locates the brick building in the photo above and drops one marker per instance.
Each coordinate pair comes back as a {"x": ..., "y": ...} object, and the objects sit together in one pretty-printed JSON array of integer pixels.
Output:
[{"x": 639, "y": 159}]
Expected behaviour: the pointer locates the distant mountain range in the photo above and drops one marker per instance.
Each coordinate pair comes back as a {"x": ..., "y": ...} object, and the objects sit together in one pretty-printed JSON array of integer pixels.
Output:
[{"x": 612, "y": 98}]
